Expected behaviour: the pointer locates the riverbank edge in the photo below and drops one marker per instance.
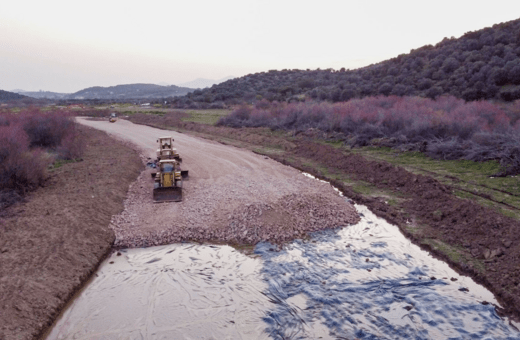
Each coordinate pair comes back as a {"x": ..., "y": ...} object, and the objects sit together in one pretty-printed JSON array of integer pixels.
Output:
[
  {"x": 282, "y": 149},
  {"x": 54, "y": 242}
]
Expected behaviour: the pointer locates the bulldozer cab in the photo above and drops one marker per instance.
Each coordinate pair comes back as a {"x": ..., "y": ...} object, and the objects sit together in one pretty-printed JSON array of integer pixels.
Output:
[
  {"x": 167, "y": 166},
  {"x": 165, "y": 142},
  {"x": 166, "y": 149}
]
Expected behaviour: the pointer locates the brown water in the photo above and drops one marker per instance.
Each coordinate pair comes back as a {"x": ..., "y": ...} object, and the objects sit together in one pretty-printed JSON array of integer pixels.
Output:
[{"x": 181, "y": 291}]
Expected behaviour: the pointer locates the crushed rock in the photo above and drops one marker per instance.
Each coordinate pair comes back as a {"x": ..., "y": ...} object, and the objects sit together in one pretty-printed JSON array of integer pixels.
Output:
[{"x": 236, "y": 209}]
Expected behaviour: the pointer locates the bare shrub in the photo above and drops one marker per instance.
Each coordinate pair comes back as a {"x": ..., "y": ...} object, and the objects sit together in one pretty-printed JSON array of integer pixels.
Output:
[
  {"x": 72, "y": 146},
  {"x": 8, "y": 197},
  {"x": 46, "y": 129},
  {"x": 21, "y": 169},
  {"x": 445, "y": 128},
  {"x": 217, "y": 105},
  {"x": 26, "y": 139}
]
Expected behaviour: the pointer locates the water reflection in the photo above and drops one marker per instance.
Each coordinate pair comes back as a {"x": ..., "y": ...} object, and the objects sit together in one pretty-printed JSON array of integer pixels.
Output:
[{"x": 368, "y": 282}]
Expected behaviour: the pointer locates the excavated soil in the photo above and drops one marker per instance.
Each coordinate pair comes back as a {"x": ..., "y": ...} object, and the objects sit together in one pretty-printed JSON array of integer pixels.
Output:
[{"x": 50, "y": 245}]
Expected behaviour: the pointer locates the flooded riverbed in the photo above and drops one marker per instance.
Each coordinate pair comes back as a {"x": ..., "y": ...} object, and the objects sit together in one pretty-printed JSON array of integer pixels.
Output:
[
  {"x": 364, "y": 281},
  {"x": 368, "y": 282},
  {"x": 170, "y": 292}
]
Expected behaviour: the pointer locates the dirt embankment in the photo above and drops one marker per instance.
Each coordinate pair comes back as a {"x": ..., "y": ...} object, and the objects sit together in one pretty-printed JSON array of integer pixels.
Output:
[{"x": 52, "y": 243}]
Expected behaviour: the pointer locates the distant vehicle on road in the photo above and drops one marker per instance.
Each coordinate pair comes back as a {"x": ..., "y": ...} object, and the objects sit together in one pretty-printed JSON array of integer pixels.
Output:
[{"x": 113, "y": 117}]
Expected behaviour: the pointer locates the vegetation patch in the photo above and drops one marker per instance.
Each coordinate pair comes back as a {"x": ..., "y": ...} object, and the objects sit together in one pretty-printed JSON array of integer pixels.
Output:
[
  {"x": 456, "y": 254},
  {"x": 27, "y": 139},
  {"x": 445, "y": 129},
  {"x": 209, "y": 117},
  {"x": 483, "y": 64},
  {"x": 60, "y": 162}
]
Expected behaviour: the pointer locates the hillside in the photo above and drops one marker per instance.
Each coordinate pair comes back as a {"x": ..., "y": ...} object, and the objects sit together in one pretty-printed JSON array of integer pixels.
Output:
[
  {"x": 42, "y": 94},
  {"x": 483, "y": 64},
  {"x": 6, "y": 95},
  {"x": 123, "y": 92},
  {"x": 130, "y": 91}
]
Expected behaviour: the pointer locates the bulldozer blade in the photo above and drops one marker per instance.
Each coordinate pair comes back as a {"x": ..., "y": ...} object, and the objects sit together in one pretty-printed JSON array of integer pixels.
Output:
[
  {"x": 169, "y": 194},
  {"x": 184, "y": 174}
]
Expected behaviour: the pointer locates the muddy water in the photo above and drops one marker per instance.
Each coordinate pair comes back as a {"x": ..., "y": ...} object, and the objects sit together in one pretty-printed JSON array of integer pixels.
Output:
[
  {"x": 365, "y": 281},
  {"x": 170, "y": 292}
]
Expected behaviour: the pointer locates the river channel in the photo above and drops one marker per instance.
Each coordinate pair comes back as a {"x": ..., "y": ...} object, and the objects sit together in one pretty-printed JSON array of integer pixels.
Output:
[{"x": 365, "y": 281}]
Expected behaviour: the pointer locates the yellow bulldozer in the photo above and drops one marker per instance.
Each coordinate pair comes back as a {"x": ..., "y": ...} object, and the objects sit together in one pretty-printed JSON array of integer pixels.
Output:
[
  {"x": 113, "y": 117},
  {"x": 168, "y": 181},
  {"x": 166, "y": 149}
]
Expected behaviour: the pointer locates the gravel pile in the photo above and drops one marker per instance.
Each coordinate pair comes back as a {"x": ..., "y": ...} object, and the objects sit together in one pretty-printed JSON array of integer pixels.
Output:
[{"x": 237, "y": 209}]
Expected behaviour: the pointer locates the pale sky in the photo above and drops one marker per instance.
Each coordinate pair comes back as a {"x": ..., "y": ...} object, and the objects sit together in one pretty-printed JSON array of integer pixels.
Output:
[{"x": 65, "y": 46}]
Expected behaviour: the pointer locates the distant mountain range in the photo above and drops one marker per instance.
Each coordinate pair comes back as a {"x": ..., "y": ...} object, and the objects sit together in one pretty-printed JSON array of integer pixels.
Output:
[
  {"x": 129, "y": 91},
  {"x": 42, "y": 94},
  {"x": 6, "y": 95}
]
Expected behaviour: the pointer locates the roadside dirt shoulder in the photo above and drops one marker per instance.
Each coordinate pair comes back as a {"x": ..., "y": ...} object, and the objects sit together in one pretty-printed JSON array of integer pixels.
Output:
[{"x": 52, "y": 243}]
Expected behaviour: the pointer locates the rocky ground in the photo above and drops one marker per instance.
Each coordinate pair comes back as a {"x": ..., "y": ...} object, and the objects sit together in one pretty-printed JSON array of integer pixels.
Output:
[{"x": 232, "y": 195}]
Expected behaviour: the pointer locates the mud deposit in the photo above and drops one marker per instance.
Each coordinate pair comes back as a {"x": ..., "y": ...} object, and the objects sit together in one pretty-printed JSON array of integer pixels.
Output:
[{"x": 364, "y": 281}]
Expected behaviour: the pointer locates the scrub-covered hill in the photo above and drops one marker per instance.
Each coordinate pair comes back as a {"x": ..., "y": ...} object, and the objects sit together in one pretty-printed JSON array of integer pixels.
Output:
[
  {"x": 6, "y": 95},
  {"x": 483, "y": 64},
  {"x": 129, "y": 91}
]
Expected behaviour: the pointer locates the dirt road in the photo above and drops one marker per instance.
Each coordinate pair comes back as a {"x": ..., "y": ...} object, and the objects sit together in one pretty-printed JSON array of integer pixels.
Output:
[{"x": 233, "y": 196}]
